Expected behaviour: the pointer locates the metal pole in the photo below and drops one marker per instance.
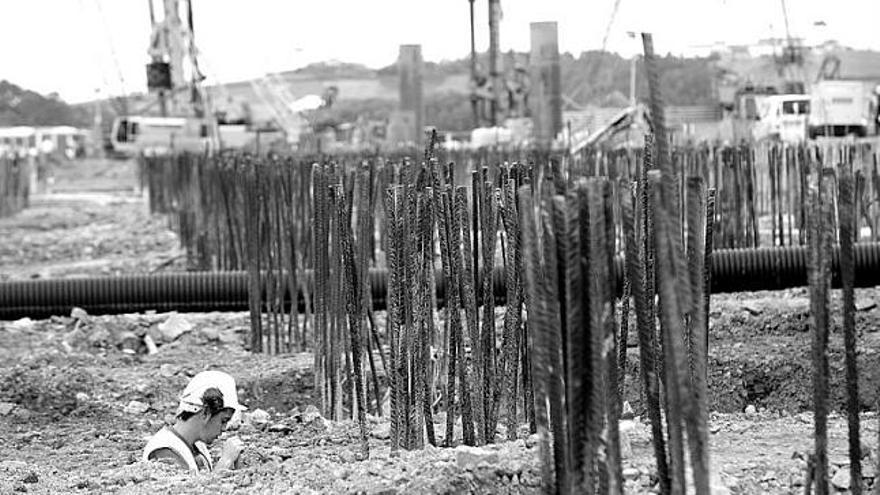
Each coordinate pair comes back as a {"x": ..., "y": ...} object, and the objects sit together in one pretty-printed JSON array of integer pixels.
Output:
[
  {"x": 474, "y": 68},
  {"x": 494, "y": 70},
  {"x": 632, "y": 81}
]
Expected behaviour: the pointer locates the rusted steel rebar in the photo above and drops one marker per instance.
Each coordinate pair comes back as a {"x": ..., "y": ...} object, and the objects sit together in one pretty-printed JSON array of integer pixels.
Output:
[
  {"x": 819, "y": 282},
  {"x": 541, "y": 318},
  {"x": 390, "y": 202},
  {"x": 638, "y": 262},
  {"x": 355, "y": 316},
  {"x": 847, "y": 224},
  {"x": 668, "y": 281},
  {"x": 468, "y": 294}
]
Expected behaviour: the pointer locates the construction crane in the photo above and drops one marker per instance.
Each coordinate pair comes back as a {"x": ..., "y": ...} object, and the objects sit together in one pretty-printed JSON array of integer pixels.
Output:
[{"x": 790, "y": 64}]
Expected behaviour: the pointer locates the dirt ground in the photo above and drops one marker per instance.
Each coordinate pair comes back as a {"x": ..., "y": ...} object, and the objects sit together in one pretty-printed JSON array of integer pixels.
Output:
[{"x": 76, "y": 410}]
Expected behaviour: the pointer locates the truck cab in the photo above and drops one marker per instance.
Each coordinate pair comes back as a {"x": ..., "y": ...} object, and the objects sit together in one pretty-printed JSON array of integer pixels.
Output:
[
  {"x": 783, "y": 118},
  {"x": 132, "y": 135}
]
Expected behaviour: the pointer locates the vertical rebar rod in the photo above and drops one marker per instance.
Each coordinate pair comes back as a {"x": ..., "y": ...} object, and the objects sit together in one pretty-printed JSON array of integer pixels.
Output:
[
  {"x": 390, "y": 203},
  {"x": 488, "y": 236},
  {"x": 668, "y": 283},
  {"x": 454, "y": 297},
  {"x": 355, "y": 317},
  {"x": 819, "y": 275},
  {"x": 846, "y": 212},
  {"x": 427, "y": 234},
  {"x": 612, "y": 389},
  {"x": 707, "y": 276},
  {"x": 540, "y": 319},
  {"x": 555, "y": 387},
  {"x": 639, "y": 265},
  {"x": 574, "y": 316},
  {"x": 469, "y": 298},
  {"x": 695, "y": 330}
]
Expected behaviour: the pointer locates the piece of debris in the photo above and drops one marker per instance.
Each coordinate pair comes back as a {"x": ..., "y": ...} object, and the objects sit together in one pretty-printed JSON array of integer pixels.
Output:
[
  {"x": 79, "y": 314},
  {"x": 626, "y": 428},
  {"x": 136, "y": 407},
  {"x": 752, "y": 309},
  {"x": 211, "y": 334},
  {"x": 168, "y": 370},
  {"x": 279, "y": 428},
  {"x": 229, "y": 336},
  {"x": 130, "y": 343},
  {"x": 173, "y": 327},
  {"x": 841, "y": 479},
  {"x": 22, "y": 324},
  {"x": 257, "y": 417},
  {"x": 631, "y": 473},
  {"x": 468, "y": 457},
  {"x": 310, "y": 414},
  {"x": 22, "y": 413},
  {"x": 627, "y": 411},
  {"x": 717, "y": 484},
  {"x": 865, "y": 304},
  {"x": 6, "y": 408},
  {"x": 751, "y": 410},
  {"x": 381, "y": 432},
  {"x": 31, "y": 478},
  {"x": 151, "y": 344}
]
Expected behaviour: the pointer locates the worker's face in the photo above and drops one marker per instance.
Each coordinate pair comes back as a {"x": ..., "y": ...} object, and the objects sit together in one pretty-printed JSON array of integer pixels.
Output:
[{"x": 214, "y": 425}]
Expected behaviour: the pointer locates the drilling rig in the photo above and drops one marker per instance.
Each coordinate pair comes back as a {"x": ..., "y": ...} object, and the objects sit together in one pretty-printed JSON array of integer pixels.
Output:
[{"x": 184, "y": 121}]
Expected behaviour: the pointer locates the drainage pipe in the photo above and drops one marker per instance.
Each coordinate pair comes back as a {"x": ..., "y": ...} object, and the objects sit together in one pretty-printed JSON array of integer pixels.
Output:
[{"x": 733, "y": 270}]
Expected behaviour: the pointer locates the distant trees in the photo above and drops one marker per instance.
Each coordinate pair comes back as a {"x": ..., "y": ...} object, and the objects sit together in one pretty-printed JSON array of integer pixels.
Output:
[
  {"x": 593, "y": 78},
  {"x": 19, "y": 106}
]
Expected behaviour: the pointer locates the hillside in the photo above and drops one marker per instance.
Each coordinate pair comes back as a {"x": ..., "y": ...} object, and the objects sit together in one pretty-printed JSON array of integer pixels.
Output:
[
  {"x": 593, "y": 79},
  {"x": 590, "y": 79},
  {"x": 20, "y": 106}
]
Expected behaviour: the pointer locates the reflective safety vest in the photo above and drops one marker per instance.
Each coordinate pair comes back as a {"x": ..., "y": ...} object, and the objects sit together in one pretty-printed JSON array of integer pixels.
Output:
[{"x": 167, "y": 439}]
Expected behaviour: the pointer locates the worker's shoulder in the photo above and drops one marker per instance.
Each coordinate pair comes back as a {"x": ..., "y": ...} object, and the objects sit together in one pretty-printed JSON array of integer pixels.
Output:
[{"x": 168, "y": 456}]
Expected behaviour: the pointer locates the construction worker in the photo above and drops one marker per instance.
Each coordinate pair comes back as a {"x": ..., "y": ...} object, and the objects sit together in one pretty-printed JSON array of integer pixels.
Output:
[{"x": 206, "y": 405}]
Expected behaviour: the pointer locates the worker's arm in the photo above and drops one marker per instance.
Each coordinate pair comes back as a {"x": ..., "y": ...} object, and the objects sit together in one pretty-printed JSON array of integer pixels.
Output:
[{"x": 168, "y": 456}]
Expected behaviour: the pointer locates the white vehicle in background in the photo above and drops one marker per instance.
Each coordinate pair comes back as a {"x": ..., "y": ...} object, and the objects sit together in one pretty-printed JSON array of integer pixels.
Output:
[
  {"x": 843, "y": 107},
  {"x": 783, "y": 118},
  {"x": 132, "y": 135}
]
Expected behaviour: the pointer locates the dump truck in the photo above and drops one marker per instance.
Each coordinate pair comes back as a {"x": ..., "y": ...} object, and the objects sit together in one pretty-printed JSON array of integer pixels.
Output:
[{"x": 843, "y": 107}]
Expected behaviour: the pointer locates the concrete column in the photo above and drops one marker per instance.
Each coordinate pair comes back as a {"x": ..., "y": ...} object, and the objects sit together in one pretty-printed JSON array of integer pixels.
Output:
[
  {"x": 409, "y": 65},
  {"x": 546, "y": 93}
]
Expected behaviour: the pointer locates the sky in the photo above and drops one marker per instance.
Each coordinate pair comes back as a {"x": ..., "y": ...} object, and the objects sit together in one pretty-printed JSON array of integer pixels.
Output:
[{"x": 87, "y": 48}]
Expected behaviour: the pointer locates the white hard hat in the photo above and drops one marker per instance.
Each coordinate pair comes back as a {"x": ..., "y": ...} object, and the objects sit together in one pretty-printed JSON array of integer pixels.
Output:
[{"x": 191, "y": 398}]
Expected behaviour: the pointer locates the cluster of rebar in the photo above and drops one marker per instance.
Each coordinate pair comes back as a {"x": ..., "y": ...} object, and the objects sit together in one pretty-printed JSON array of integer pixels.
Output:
[
  {"x": 762, "y": 188},
  {"x": 822, "y": 230},
  {"x": 14, "y": 185},
  {"x": 579, "y": 342},
  {"x": 483, "y": 370}
]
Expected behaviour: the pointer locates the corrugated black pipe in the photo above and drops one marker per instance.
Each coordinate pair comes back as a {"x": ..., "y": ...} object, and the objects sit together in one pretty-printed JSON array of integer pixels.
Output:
[{"x": 733, "y": 270}]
